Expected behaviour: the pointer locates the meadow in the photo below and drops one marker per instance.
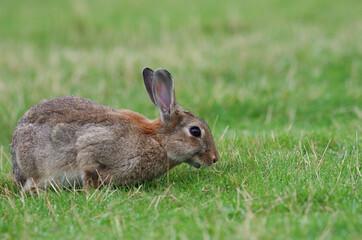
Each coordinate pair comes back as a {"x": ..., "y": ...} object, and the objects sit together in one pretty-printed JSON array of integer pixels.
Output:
[{"x": 279, "y": 82}]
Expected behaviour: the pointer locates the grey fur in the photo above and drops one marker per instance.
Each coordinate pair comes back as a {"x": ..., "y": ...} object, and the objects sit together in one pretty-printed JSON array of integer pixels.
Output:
[{"x": 73, "y": 140}]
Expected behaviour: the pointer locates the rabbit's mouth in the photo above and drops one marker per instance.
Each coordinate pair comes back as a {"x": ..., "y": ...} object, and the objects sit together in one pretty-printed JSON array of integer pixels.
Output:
[{"x": 194, "y": 164}]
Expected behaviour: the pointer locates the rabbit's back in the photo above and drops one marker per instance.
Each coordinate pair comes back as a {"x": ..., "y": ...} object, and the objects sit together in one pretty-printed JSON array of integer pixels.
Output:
[{"x": 69, "y": 109}]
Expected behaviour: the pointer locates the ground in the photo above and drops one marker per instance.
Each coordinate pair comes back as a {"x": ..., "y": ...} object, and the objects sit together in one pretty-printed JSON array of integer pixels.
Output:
[{"x": 279, "y": 83}]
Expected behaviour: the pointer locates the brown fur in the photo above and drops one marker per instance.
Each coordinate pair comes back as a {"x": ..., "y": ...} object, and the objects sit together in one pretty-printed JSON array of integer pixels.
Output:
[
  {"x": 147, "y": 126},
  {"x": 74, "y": 140}
]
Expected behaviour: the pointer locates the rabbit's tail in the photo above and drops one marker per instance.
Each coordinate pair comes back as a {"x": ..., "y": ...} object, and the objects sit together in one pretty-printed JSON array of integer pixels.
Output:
[{"x": 18, "y": 175}]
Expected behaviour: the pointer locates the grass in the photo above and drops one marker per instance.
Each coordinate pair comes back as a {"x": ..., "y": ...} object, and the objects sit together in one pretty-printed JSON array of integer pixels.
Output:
[{"x": 278, "y": 82}]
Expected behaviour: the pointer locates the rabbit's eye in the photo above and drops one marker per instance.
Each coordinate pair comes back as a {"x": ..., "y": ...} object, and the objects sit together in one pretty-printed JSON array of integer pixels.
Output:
[{"x": 195, "y": 131}]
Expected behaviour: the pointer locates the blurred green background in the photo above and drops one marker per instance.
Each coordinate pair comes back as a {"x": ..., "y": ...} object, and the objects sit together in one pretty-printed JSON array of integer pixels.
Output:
[
  {"x": 257, "y": 65},
  {"x": 279, "y": 83}
]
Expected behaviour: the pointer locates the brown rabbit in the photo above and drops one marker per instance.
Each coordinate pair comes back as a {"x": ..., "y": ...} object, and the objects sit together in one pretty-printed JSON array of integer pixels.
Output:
[{"x": 76, "y": 141}]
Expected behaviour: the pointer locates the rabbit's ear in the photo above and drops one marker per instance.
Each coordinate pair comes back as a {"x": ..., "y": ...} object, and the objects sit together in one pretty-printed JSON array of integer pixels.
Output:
[
  {"x": 164, "y": 93},
  {"x": 148, "y": 79}
]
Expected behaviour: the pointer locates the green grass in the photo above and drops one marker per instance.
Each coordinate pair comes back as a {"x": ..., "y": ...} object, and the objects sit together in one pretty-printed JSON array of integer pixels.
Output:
[{"x": 279, "y": 82}]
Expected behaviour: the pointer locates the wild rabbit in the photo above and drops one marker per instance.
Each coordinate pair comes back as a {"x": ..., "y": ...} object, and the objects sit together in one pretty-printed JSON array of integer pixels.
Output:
[{"x": 76, "y": 141}]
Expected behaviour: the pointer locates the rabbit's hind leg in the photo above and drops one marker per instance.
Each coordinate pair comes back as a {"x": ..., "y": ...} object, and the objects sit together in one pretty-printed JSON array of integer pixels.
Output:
[
  {"x": 32, "y": 186},
  {"x": 18, "y": 175}
]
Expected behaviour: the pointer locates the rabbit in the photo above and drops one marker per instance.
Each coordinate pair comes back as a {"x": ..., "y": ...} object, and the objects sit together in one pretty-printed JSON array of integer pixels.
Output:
[{"x": 74, "y": 141}]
